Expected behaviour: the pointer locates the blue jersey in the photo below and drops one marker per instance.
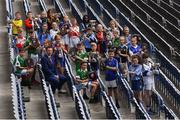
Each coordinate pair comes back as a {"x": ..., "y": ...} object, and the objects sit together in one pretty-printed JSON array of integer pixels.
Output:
[
  {"x": 135, "y": 50},
  {"x": 137, "y": 69},
  {"x": 110, "y": 74}
]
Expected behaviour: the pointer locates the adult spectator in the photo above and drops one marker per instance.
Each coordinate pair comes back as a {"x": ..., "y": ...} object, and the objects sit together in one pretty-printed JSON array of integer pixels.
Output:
[{"x": 50, "y": 72}]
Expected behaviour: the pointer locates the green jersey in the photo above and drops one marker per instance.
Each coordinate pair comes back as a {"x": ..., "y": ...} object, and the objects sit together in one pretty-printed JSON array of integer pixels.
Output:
[
  {"x": 19, "y": 62},
  {"x": 81, "y": 55},
  {"x": 31, "y": 49},
  {"x": 83, "y": 74},
  {"x": 116, "y": 42}
]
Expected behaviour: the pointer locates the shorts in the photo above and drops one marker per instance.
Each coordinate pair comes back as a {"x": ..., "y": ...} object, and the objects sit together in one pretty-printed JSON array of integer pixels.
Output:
[
  {"x": 81, "y": 86},
  {"x": 111, "y": 84},
  {"x": 65, "y": 39},
  {"x": 137, "y": 85},
  {"x": 149, "y": 86},
  {"x": 73, "y": 41},
  {"x": 24, "y": 72}
]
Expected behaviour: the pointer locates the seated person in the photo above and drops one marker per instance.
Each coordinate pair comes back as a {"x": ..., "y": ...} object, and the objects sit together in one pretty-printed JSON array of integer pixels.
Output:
[
  {"x": 31, "y": 45},
  {"x": 93, "y": 86},
  {"x": 94, "y": 57},
  {"x": 80, "y": 56},
  {"x": 43, "y": 34},
  {"x": 22, "y": 69},
  {"x": 20, "y": 39},
  {"x": 49, "y": 69},
  {"x": 88, "y": 38},
  {"x": 82, "y": 79}
]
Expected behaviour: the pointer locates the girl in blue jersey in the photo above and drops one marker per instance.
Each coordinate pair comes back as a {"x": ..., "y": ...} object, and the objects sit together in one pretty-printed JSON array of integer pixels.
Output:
[
  {"x": 135, "y": 71},
  {"x": 134, "y": 48}
]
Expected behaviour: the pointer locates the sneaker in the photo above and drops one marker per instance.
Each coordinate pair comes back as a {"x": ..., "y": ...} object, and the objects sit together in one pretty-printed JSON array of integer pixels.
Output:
[
  {"x": 117, "y": 105},
  {"x": 57, "y": 104},
  {"x": 91, "y": 100},
  {"x": 85, "y": 97},
  {"x": 62, "y": 91},
  {"x": 150, "y": 112}
]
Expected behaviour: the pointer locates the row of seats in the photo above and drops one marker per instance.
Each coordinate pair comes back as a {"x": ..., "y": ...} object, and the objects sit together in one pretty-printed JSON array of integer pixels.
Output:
[
  {"x": 17, "y": 98},
  {"x": 19, "y": 109},
  {"x": 49, "y": 97}
]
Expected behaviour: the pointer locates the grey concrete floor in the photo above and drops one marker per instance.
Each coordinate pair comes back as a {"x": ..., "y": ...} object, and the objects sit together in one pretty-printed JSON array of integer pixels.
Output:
[{"x": 6, "y": 110}]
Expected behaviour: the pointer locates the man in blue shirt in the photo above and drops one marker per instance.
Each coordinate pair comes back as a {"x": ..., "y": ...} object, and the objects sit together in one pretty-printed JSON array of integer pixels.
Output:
[{"x": 111, "y": 65}]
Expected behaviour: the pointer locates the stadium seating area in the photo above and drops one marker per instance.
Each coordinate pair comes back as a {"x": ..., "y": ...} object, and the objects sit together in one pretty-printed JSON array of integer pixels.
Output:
[{"x": 155, "y": 23}]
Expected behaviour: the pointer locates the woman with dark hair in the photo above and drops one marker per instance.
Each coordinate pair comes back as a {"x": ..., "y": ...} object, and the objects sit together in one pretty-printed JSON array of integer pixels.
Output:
[
  {"x": 85, "y": 24},
  {"x": 51, "y": 18}
]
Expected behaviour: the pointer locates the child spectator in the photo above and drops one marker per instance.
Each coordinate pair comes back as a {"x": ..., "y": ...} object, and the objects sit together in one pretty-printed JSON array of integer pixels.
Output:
[
  {"x": 85, "y": 24},
  {"x": 116, "y": 41},
  {"x": 29, "y": 23},
  {"x": 149, "y": 70},
  {"x": 16, "y": 23},
  {"x": 127, "y": 35},
  {"x": 100, "y": 35},
  {"x": 74, "y": 34},
  {"x": 93, "y": 85},
  {"x": 111, "y": 65},
  {"x": 123, "y": 56},
  {"x": 59, "y": 55},
  {"x": 54, "y": 30},
  {"x": 113, "y": 26},
  {"x": 135, "y": 71},
  {"x": 22, "y": 69},
  {"x": 134, "y": 48},
  {"x": 88, "y": 38},
  {"x": 20, "y": 64},
  {"x": 44, "y": 34},
  {"x": 31, "y": 46},
  {"x": 20, "y": 39},
  {"x": 64, "y": 29},
  {"x": 51, "y": 18},
  {"x": 123, "y": 50},
  {"x": 81, "y": 56},
  {"x": 82, "y": 79},
  {"x": 94, "y": 57},
  {"x": 43, "y": 18}
]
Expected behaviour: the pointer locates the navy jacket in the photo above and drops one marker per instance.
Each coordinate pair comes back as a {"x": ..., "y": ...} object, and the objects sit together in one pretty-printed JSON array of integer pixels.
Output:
[{"x": 48, "y": 67}]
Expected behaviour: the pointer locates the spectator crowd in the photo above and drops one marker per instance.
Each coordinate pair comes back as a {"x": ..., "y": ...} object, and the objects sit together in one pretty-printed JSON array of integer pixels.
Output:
[{"x": 47, "y": 37}]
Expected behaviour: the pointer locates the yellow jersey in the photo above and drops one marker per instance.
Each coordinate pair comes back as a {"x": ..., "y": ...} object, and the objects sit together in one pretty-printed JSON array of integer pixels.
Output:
[{"x": 16, "y": 24}]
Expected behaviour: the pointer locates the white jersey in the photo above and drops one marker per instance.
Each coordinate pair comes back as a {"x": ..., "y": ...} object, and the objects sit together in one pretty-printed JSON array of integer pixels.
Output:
[{"x": 148, "y": 77}]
